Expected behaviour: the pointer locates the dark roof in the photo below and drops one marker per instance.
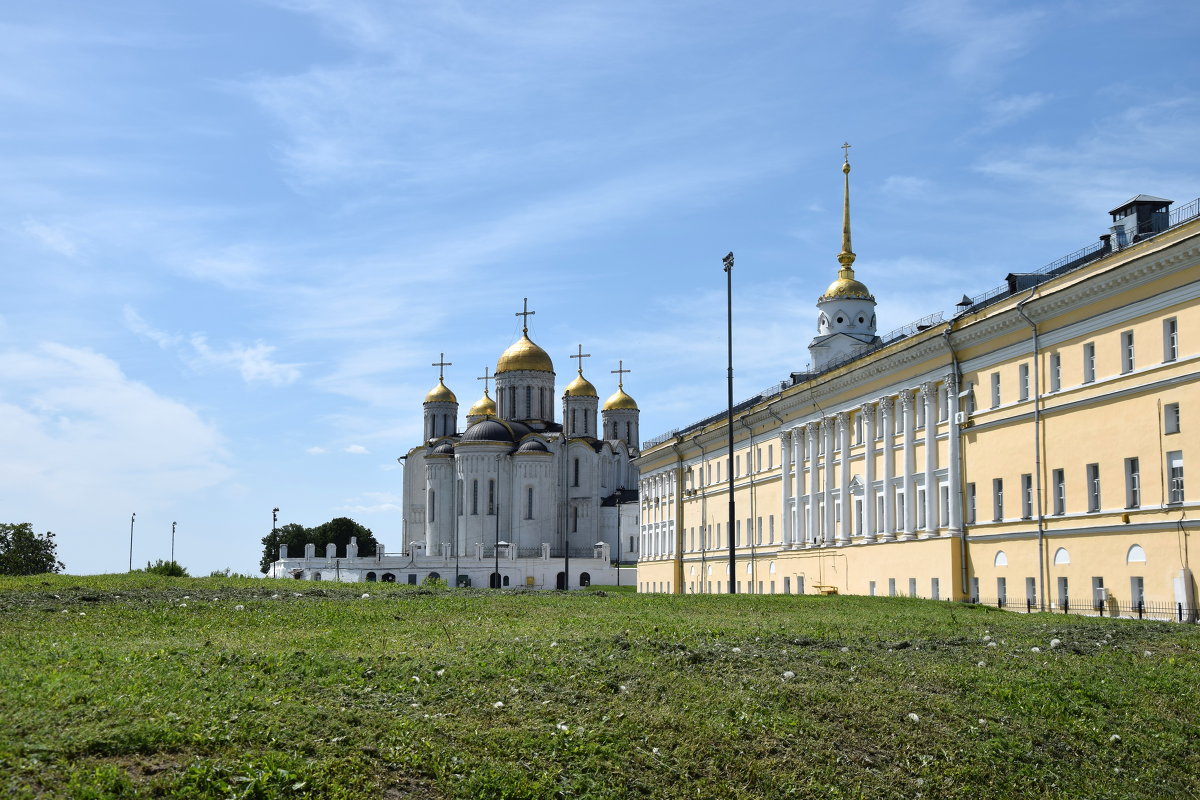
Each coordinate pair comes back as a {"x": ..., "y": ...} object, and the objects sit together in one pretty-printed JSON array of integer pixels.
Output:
[
  {"x": 445, "y": 448},
  {"x": 1141, "y": 198},
  {"x": 488, "y": 430},
  {"x": 533, "y": 445}
]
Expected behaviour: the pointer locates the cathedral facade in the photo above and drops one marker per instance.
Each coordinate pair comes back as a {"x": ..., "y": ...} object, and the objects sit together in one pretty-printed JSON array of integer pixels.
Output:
[{"x": 517, "y": 497}]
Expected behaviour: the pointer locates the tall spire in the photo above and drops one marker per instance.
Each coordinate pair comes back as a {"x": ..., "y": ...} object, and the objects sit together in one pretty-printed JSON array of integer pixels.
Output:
[{"x": 846, "y": 257}]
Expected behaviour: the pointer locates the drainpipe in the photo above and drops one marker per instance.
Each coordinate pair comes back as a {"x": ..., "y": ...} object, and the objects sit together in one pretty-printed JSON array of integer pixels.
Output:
[
  {"x": 957, "y": 432},
  {"x": 679, "y": 540},
  {"x": 1037, "y": 449}
]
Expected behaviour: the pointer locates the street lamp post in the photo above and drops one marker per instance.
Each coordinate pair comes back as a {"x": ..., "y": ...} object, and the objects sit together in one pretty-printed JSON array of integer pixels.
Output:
[
  {"x": 275, "y": 531},
  {"x": 495, "y": 581},
  {"x": 728, "y": 262},
  {"x": 618, "y": 537},
  {"x": 131, "y": 518},
  {"x": 172, "y": 542}
]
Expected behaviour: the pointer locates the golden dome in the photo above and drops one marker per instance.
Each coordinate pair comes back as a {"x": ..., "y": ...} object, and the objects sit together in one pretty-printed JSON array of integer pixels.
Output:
[
  {"x": 440, "y": 394},
  {"x": 580, "y": 387},
  {"x": 524, "y": 355},
  {"x": 484, "y": 407},
  {"x": 847, "y": 287},
  {"x": 620, "y": 402}
]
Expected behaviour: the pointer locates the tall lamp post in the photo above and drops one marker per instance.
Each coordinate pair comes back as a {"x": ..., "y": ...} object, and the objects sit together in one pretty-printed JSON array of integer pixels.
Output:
[
  {"x": 172, "y": 542},
  {"x": 618, "y": 537},
  {"x": 495, "y": 581},
  {"x": 728, "y": 262},
  {"x": 131, "y": 518},
  {"x": 275, "y": 531}
]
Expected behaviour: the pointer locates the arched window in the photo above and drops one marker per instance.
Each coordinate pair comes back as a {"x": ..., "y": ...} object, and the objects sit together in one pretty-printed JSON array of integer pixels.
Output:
[
  {"x": 529, "y": 502},
  {"x": 572, "y": 420},
  {"x": 574, "y": 519},
  {"x": 529, "y": 402},
  {"x": 432, "y": 505},
  {"x": 1061, "y": 556},
  {"x": 474, "y": 498},
  {"x": 629, "y": 432},
  {"x": 585, "y": 579},
  {"x": 505, "y": 580},
  {"x": 316, "y": 576},
  {"x": 1136, "y": 555},
  {"x": 575, "y": 482},
  {"x": 1001, "y": 559},
  {"x": 389, "y": 577},
  {"x": 491, "y": 496},
  {"x": 370, "y": 577}
]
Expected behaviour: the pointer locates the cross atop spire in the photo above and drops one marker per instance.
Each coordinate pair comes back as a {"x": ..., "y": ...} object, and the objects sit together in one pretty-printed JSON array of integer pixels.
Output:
[
  {"x": 440, "y": 364},
  {"x": 846, "y": 149},
  {"x": 486, "y": 377},
  {"x": 620, "y": 372},
  {"x": 526, "y": 313},
  {"x": 581, "y": 356}
]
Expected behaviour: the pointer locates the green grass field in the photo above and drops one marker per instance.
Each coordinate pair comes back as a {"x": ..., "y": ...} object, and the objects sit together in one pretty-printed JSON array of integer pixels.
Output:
[{"x": 137, "y": 686}]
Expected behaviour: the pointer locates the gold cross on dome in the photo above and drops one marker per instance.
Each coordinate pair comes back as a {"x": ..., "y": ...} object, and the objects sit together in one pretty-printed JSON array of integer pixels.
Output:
[
  {"x": 620, "y": 372},
  {"x": 485, "y": 379},
  {"x": 526, "y": 313},
  {"x": 440, "y": 363},
  {"x": 581, "y": 356},
  {"x": 846, "y": 149}
]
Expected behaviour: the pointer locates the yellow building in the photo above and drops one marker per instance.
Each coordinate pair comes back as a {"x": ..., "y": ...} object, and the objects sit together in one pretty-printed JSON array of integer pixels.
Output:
[{"x": 1027, "y": 451}]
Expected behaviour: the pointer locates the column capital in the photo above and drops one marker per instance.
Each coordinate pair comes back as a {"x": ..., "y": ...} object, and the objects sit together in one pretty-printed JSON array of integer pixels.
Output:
[
  {"x": 843, "y": 418},
  {"x": 951, "y": 381},
  {"x": 886, "y": 406},
  {"x": 906, "y": 399},
  {"x": 929, "y": 388},
  {"x": 867, "y": 409}
]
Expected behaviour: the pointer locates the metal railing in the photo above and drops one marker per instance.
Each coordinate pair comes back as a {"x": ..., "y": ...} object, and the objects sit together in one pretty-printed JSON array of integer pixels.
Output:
[{"x": 1177, "y": 612}]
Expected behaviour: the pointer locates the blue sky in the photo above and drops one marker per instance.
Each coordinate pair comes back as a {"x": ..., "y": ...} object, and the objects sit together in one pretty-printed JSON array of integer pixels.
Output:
[{"x": 235, "y": 234}]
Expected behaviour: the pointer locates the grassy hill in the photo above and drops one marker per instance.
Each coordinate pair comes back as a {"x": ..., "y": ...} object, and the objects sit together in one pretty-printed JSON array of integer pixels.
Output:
[{"x": 131, "y": 686}]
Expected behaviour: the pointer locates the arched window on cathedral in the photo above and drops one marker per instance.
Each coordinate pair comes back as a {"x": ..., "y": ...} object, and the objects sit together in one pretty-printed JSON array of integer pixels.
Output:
[
  {"x": 529, "y": 402},
  {"x": 529, "y": 502},
  {"x": 575, "y": 519},
  {"x": 474, "y": 498},
  {"x": 459, "y": 506},
  {"x": 512, "y": 402},
  {"x": 629, "y": 432},
  {"x": 575, "y": 482},
  {"x": 491, "y": 497},
  {"x": 572, "y": 420},
  {"x": 432, "y": 506}
]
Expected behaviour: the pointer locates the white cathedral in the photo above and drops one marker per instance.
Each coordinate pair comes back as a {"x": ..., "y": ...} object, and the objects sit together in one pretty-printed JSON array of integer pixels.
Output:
[{"x": 517, "y": 498}]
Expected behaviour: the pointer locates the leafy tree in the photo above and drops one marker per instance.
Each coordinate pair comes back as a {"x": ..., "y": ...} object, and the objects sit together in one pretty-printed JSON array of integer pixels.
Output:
[
  {"x": 171, "y": 569},
  {"x": 339, "y": 531},
  {"x": 23, "y": 552}
]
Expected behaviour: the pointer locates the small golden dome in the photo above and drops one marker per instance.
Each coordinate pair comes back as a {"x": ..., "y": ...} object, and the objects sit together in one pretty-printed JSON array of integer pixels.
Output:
[
  {"x": 847, "y": 288},
  {"x": 440, "y": 394},
  {"x": 620, "y": 402},
  {"x": 484, "y": 407},
  {"x": 580, "y": 387},
  {"x": 524, "y": 355}
]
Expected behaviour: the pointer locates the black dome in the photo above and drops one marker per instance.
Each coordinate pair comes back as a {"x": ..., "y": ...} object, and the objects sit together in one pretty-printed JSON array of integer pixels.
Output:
[
  {"x": 488, "y": 430},
  {"x": 444, "y": 449},
  {"x": 533, "y": 445}
]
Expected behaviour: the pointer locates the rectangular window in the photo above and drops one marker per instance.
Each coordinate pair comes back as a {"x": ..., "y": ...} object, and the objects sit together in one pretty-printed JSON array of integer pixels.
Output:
[
  {"x": 1133, "y": 483},
  {"x": 995, "y": 390},
  {"x": 1093, "y": 487},
  {"x": 770, "y": 456},
  {"x": 921, "y": 509},
  {"x": 943, "y": 403},
  {"x": 1055, "y": 372},
  {"x": 758, "y": 532},
  {"x": 719, "y": 471},
  {"x": 1023, "y": 382},
  {"x": 1059, "y": 479},
  {"x": 1097, "y": 591},
  {"x": 771, "y": 528},
  {"x": 935, "y": 589},
  {"x": 974, "y": 590},
  {"x": 1089, "y": 362},
  {"x": 737, "y": 533},
  {"x": 858, "y": 428},
  {"x": 799, "y": 584},
  {"x": 1127, "y": 351},
  {"x": 1170, "y": 339},
  {"x": 1171, "y": 418},
  {"x": 1137, "y": 591},
  {"x": 891, "y": 587},
  {"x": 1031, "y": 590},
  {"x": 871, "y": 588},
  {"x": 787, "y": 585},
  {"x": 997, "y": 499},
  {"x": 529, "y": 502},
  {"x": 474, "y": 498},
  {"x": 970, "y": 504},
  {"x": 737, "y": 465},
  {"x": 1064, "y": 596},
  {"x": 575, "y": 519},
  {"x": 575, "y": 481},
  {"x": 1002, "y": 591},
  {"x": 912, "y": 587},
  {"x": 920, "y": 401},
  {"x": 1026, "y": 496},
  {"x": 1175, "y": 476},
  {"x": 944, "y": 519}
]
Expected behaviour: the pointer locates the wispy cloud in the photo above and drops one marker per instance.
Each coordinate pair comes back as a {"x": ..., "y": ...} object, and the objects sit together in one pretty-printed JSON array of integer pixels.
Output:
[
  {"x": 315, "y": 451},
  {"x": 356, "y": 449},
  {"x": 253, "y": 362},
  {"x": 54, "y": 237},
  {"x": 978, "y": 42}
]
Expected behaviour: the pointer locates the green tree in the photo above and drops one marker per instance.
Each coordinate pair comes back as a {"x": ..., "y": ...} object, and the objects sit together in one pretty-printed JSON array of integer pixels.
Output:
[
  {"x": 23, "y": 552},
  {"x": 292, "y": 534},
  {"x": 339, "y": 531}
]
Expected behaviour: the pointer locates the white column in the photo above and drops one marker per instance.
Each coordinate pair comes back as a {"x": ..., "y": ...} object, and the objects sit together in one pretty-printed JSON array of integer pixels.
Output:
[
  {"x": 799, "y": 518},
  {"x": 843, "y": 531},
  {"x": 785, "y": 457},
  {"x": 813, "y": 429},
  {"x": 954, "y": 472},
  {"x": 908, "y": 403},
  {"x": 868, "y": 412},
  {"x": 827, "y": 432},
  {"x": 889, "y": 468},
  {"x": 929, "y": 395}
]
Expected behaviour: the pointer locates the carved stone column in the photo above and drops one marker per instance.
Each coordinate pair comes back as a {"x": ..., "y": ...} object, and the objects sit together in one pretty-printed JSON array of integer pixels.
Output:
[
  {"x": 888, "y": 406},
  {"x": 785, "y": 467},
  {"x": 843, "y": 530},
  {"x": 953, "y": 450},
  {"x": 827, "y": 432},
  {"x": 813, "y": 430},
  {"x": 868, "y": 412},
  {"x": 929, "y": 395},
  {"x": 908, "y": 404}
]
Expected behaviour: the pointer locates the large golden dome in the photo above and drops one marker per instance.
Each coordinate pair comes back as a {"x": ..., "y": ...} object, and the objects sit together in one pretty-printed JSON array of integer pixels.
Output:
[
  {"x": 580, "y": 387},
  {"x": 619, "y": 401},
  {"x": 484, "y": 407},
  {"x": 847, "y": 287},
  {"x": 440, "y": 394},
  {"x": 524, "y": 355}
]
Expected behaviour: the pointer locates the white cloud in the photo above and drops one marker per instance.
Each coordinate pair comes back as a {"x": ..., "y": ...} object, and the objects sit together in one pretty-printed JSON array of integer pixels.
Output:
[
  {"x": 357, "y": 449},
  {"x": 905, "y": 185},
  {"x": 374, "y": 503},
  {"x": 979, "y": 43},
  {"x": 253, "y": 362},
  {"x": 53, "y": 237},
  {"x": 81, "y": 437},
  {"x": 315, "y": 451},
  {"x": 1002, "y": 111}
]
